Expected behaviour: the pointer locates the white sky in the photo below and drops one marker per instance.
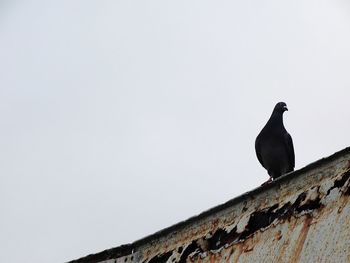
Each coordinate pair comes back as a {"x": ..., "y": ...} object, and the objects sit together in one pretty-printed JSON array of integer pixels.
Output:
[{"x": 120, "y": 118}]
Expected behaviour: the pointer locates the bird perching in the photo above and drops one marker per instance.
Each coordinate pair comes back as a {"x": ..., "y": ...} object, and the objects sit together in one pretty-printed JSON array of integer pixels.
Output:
[{"x": 274, "y": 145}]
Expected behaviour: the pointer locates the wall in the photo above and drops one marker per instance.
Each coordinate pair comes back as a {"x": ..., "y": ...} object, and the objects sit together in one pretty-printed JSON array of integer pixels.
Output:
[{"x": 303, "y": 216}]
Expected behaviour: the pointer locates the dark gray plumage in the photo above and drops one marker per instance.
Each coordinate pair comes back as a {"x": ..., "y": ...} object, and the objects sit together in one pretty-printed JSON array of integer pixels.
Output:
[{"x": 274, "y": 145}]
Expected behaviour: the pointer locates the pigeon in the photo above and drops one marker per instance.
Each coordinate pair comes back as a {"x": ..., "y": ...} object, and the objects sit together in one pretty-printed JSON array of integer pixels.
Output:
[{"x": 274, "y": 145}]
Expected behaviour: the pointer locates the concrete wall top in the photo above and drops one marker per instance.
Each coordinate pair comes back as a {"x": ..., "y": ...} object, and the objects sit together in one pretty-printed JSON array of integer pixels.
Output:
[{"x": 303, "y": 216}]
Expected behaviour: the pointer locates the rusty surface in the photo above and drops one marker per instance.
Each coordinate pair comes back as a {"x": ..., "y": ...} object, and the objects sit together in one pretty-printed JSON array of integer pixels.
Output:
[{"x": 303, "y": 216}]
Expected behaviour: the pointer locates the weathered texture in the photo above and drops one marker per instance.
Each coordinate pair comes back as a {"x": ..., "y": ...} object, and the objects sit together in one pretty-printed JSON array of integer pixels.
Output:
[{"x": 303, "y": 216}]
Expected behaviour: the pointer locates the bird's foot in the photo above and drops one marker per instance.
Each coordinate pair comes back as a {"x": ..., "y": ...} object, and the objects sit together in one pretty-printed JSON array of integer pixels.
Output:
[{"x": 267, "y": 182}]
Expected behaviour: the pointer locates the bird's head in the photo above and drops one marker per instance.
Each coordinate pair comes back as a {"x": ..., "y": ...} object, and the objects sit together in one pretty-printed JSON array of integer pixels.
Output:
[{"x": 280, "y": 107}]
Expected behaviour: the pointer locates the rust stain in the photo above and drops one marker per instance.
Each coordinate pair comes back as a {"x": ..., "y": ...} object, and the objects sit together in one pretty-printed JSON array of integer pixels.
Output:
[
  {"x": 292, "y": 222},
  {"x": 278, "y": 235},
  {"x": 212, "y": 258},
  {"x": 343, "y": 203},
  {"x": 248, "y": 249},
  {"x": 283, "y": 251},
  {"x": 249, "y": 244},
  {"x": 301, "y": 239},
  {"x": 232, "y": 250},
  {"x": 238, "y": 252}
]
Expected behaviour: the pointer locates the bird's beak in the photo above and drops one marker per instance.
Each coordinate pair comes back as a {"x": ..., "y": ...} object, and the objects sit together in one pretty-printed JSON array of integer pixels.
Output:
[{"x": 285, "y": 108}]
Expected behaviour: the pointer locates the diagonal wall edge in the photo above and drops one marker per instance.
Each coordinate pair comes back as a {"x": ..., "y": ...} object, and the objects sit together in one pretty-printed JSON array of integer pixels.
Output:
[{"x": 303, "y": 216}]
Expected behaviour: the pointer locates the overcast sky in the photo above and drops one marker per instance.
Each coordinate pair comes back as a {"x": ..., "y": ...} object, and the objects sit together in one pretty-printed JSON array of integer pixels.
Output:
[{"x": 120, "y": 118}]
